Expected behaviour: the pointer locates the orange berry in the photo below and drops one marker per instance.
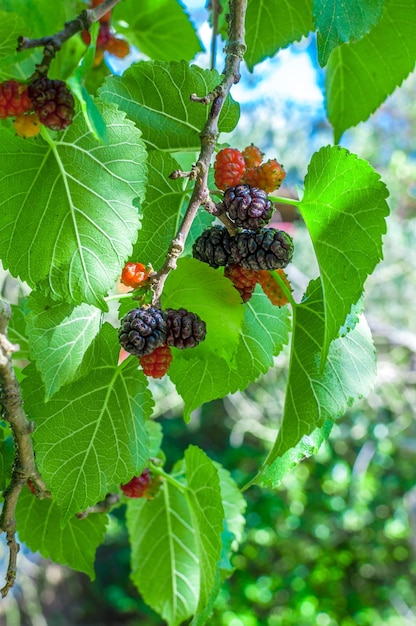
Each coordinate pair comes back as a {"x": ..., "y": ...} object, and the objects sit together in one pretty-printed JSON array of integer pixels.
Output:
[
  {"x": 271, "y": 286},
  {"x": 118, "y": 47},
  {"x": 229, "y": 168},
  {"x": 268, "y": 176},
  {"x": 134, "y": 274},
  {"x": 27, "y": 125},
  {"x": 253, "y": 156},
  {"x": 244, "y": 280}
]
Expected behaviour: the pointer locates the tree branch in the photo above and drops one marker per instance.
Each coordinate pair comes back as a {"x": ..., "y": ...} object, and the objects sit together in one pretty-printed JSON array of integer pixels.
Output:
[
  {"x": 24, "y": 465},
  {"x": 104, "y": 506},
  {"x": 235, "y": 51},
  {"x": 53, "y": 43}
]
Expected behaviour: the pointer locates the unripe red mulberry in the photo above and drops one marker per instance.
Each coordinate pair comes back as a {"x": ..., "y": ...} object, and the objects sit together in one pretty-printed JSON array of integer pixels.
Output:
[
  {"x": 133, "y": 274},
  {"x": 137, "y": 486},
  {"x": 244, "y": 280},
  {"x": 14, "y": 99},
  {"x": 157, "y": 363},
  {"x": 53, "y": 102},
  {"x": 229, "y": 168}
]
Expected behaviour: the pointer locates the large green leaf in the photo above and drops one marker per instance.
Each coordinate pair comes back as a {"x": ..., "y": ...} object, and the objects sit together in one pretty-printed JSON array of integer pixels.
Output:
[
  {"x": 159, "y": 28},
  {"x": 361, "y": 75},
  {"x": 264, "y": 332},
  {"x": 204, "y": 495},
  {"x": 176, "y": 540},
  {"x": 16, "y": 330},
  {"x": 199, "y": 288},
  {"x": 90, "y": 436},
  {"x": 340, "y": 22},
  {"x": 164, "y": 564},
  {"x": 41, "y": 529},
  {"x": 11, "y": 27},
  {"x": 59, "y": 337},
  {"x": 66, "y": 206},
  {"x": 315, "y": 399},
  {"x": 274, "y": 24},
  {"x": 344, "y": 208},
  {"x": 156, "y": 96},
  {"x": 6, "y": 458},
  {"x": 161, "y": 210}
]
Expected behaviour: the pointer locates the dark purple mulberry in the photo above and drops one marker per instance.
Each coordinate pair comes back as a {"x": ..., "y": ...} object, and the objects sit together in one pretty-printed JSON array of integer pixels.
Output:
[
  {"x": 185, "y": 329},
  {"x": 142, "y": 330},
  {"x": 248, "y": 207},
  {"x": 53, "y": 102},
  {"x": 213, "y": 247},
  {"x": 267, "y": 249}
]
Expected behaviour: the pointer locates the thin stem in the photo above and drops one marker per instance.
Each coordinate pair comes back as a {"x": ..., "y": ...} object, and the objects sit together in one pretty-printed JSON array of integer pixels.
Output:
[
  {"x": 169, "y": 478},
  {"x": 284, "y": 200},
  {"x": 235, "y": 50}
]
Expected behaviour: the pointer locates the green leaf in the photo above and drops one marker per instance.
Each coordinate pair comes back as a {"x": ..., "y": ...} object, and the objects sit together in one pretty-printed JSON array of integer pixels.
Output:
[
  {"x": 6, "y": 458},
  {"x": 16, "y": 330},
  {"x": 176, "y": 541},
  {"x": 199, "y": 288},
  {"x": 164, "y": 564},
  {"x": 274, "y": 24},
  {"x": 92, "y": 114},
  {"x": 67, "y": 216},
  {"x": 361, "y": 75},
  {"x": 59, "y": 337},
  {"x": 41, "y": 529},
  {"x": 154, "y": 431},
  {"x": 264, "y": 332},
  {"x": 90, "y": 436},
  {"x": 156, "y": 96},
  {"x": 159, "y": 28},
  {"x": 344, "y": 209},
  {"x": 314, "y": 399},
  {"x": 11, "y": 27},
  {"x": 161, "y": 210},
  {"x": 339, "y": 22},
  {"x": 40, "y": 20},
  {"x": 203, "y": 489},
  {"x": 233, "y": 502}
]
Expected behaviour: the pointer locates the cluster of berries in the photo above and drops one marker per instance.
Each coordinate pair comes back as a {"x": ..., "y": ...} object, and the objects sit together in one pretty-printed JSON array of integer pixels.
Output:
[
  {"x": 106, "y": 40},
  {"x": 43, "y": 101},
  {"x": 254, "y": 254},
  {"x": 146, "y": 485},
  {"x": 150, "y": 333},
  {"x": 232, "y": 168}
]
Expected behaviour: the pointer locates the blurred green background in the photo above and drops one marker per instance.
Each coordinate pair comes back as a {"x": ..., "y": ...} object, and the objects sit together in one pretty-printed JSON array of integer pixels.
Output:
[{"x": 335, "y": 545}]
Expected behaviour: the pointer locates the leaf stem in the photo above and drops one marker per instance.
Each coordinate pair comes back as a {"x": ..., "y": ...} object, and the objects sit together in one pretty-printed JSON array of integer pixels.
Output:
[
  {"x": 235, "y": 51},
  {"x": 282, "y": 200},
  {"x": 169, "y": 478}
]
